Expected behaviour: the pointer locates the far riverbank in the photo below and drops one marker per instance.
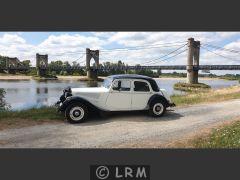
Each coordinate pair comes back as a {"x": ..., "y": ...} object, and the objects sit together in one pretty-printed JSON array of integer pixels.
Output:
[{"x": 23, "y": 77}]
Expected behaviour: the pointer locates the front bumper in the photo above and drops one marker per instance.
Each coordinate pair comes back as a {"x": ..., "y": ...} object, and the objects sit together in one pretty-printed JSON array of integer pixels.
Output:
[
  {"x": 172, "y": 104},
  {"x": 66, "y": 93},
  {"x": 58, "y": 105}
]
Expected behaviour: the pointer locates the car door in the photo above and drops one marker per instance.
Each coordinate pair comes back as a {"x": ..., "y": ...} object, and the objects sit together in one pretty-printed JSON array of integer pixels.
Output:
[
  {"x": 120, "y": 99},
  {"x": 142, "y": 91}
]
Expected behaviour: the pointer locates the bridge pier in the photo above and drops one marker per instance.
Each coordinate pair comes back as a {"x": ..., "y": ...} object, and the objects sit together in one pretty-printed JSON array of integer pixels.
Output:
[
  {"x": 92, "y": 73},
  {"x": 41, "y": 64},
  {"x": 189, "y": 66},
  {"x": 159, "y": 72},
  {"x": 193, "y": 61},
  {"x": 196, "y": 61},
  {"x": 11, "y": 65}
]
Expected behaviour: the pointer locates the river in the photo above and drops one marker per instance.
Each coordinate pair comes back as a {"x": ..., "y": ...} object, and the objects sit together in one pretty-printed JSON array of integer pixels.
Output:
[{"x": 24, "y": 94}]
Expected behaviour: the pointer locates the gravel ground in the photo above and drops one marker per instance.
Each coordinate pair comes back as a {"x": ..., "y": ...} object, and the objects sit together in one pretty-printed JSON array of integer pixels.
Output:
[{"x": 122, "y": 129}]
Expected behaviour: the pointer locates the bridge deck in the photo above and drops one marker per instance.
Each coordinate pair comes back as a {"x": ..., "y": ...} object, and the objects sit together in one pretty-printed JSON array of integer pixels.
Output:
[{"x": 172, "y": 67}]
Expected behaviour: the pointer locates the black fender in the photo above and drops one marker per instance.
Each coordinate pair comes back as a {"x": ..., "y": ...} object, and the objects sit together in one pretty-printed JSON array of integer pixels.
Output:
[
  {"x": 76, "y": 99},
  {"x": 158, "y": 97}
]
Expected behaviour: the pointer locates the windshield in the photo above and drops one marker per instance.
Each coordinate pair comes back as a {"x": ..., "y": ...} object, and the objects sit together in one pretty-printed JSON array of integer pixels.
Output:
[{"x": 107, "y": 82}]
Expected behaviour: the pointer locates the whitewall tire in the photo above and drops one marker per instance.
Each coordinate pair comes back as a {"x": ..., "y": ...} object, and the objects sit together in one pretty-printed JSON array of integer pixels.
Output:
[
  {"x": 76, "y": 113},
  {"x": 157, "y": 108}
]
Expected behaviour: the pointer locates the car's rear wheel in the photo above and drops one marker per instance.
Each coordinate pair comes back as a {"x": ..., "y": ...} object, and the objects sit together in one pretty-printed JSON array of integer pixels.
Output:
[
  {"x": 76, "y": 113},
  {"x": 157, "y": 108}
]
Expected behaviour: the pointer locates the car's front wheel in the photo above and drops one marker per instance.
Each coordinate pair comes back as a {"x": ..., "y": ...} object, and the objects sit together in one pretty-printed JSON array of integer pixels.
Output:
[
  {"x": 76, "y": 113},
  {"x": 157, "y": 108}
]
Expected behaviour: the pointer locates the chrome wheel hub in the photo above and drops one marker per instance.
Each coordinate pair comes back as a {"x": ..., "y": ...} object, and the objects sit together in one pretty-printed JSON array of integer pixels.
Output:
[
  {"x": 158, "y": 108},
  {"x": 76, "y": 113}
]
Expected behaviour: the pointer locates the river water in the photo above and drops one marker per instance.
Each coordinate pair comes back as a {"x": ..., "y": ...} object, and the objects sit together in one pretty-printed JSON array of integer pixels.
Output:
[{"x": 24, "y": 94}]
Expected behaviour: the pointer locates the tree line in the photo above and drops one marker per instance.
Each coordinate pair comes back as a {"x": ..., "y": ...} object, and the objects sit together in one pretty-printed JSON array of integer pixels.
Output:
[{"x": 64, "y": 68}]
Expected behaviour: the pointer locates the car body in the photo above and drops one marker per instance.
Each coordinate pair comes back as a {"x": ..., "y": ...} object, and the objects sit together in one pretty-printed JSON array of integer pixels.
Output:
[{"x": 127, "y": 92}]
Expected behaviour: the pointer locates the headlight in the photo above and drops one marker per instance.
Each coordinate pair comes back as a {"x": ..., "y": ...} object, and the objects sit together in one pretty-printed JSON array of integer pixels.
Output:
[
  {"x": 68, "y": 94},
  {"x": 68, "y": 89}
]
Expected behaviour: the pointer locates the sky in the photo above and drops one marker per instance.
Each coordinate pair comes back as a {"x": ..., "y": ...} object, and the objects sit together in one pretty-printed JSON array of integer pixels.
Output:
[{"x": 145, "y": 48}]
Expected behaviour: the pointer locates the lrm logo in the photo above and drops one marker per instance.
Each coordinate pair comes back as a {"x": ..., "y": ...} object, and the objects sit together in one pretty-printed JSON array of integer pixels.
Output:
[{"x": 121, "y": 172}]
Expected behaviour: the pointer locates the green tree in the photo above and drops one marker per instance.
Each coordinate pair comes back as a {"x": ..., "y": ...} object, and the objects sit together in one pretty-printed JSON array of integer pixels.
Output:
[
  {"x": 27, "y": 63},
  {"x": 2, "y": 62}
]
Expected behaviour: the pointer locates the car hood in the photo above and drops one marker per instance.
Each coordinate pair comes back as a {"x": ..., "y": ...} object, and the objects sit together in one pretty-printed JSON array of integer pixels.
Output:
[
  {"x": 92, "y": 94},
  {"x": 90, "y": 90}
]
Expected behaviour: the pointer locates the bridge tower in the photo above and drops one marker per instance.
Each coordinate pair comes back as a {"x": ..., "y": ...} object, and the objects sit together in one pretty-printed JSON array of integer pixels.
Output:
[
  {"x": 11, "y": 65},
  {"x": 92, "y": 73},
  {"x": 196, "y": 61},
  {"x": 41, "y": 64},
  {"x": 193, "y": 61}
]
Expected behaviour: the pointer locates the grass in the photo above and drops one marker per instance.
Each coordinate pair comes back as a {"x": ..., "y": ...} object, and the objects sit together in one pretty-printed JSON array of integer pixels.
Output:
[
  {"x": 191, "y": 87},
  {"x": 225, "y": 137},
  {"x": 230, "y": 78},
  {"x": 209, "y": 96},
  {"x": 16, "y": 119},
  {"x": 37, "y": 114}
]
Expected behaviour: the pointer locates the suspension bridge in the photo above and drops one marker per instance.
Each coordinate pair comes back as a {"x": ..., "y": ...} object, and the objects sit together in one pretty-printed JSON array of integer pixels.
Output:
[{"x": 191, "y": 48}]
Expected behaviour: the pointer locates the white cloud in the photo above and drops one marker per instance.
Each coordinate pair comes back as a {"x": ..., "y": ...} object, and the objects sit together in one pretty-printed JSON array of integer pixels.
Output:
[
  {"x": 68, "y": 46},
  {"x": 140, "y": 38},
  {"x": 12, "y": 39},
  {"x": 103, "y": 34},
  {"x": 15, "y": 46},
  {"x": 62, "y": 47},
  {"x": 227, "y": 34},
  {"x": 71, "y": 47},
  {"x": 234, "y": 45}
]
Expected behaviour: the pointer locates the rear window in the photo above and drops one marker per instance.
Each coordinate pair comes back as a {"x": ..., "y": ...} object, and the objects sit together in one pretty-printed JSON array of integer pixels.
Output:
[{"x": 140, "y": 86}]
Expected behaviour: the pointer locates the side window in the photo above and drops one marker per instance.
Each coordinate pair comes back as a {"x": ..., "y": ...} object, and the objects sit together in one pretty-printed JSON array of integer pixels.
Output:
[
  {"x": 122, "y": 85},
  {"x": 140, "y": 86},
  {"x": 125, "y": 85}
]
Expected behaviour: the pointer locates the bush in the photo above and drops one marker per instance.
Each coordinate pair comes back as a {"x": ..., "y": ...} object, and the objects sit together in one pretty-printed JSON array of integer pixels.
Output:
[
  {"x": 76, "y": 74},
  {"x": 3, "y": 104},
  {"x": 53, "y": 73},
  {"x": 191, "y": 87}
]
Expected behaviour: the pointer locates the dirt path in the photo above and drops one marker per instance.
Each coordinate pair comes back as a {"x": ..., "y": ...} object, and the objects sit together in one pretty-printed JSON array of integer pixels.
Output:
[{"x": 123, "y": 129}]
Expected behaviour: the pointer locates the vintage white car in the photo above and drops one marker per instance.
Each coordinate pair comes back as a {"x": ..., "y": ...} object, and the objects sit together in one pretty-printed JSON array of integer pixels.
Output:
[{"x": 125, "y": 92}]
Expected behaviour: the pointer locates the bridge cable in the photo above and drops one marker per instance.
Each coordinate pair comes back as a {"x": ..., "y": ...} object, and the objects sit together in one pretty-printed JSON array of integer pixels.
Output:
[
  {"x": 165, "y": 55},
  {"x": 135, "y": 49},
  {"x": 218, "y": 54},
  {"x": 159, "y": 57},
  {"x": 226, "y": 49},
  {"x": 172, "y": 56},
  {"x": 147, "y": 45}
]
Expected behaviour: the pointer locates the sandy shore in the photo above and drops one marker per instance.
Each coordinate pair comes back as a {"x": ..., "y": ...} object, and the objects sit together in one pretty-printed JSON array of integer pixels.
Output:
[
  {"x": 184, "y": 78},
  {"x": 15, "y": 77},
  {"x": 75, "y": 77},
  {"x": 22, "y": 77}
]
